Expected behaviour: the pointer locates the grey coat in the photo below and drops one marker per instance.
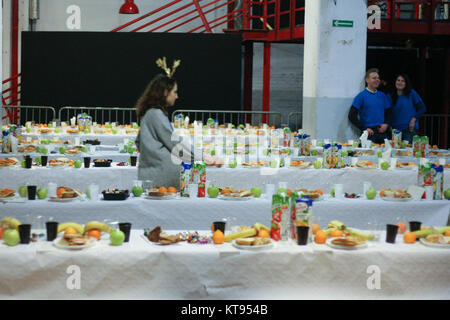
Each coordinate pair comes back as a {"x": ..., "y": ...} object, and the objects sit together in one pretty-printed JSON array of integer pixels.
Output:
[{"x": 155, "y": 141}]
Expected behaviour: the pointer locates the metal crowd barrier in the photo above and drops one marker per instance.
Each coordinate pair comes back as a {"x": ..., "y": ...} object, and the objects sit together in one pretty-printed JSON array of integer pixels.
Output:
[
  {"x": 38, "y": 114},
  {"x": 235, "y": 117},
  {"x": 434, "y": 126},
  {"x": 294, "y": 120},
  {"x": 101, "y": 114}
]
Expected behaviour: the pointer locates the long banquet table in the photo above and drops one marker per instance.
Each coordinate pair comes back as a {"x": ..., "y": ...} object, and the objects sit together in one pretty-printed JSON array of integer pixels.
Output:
[
  {"x": 198, "y": 214},
  {"x": 142, "y": 270}
]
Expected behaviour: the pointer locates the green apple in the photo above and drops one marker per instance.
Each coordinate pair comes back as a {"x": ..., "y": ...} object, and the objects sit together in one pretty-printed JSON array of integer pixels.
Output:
[
  {"x": 57, "y": 130},
  {"x": 117, "y": 237},
  {"x": 342, "y": 162},
  {"x": 320, "y": 143},
  {"x": 114, "y": 131},
  {"x": 384, "y": 165},
  {"x": 109, "y": 126},
  {"x": 317, "y": 164},
  {"x": 11, "y": 237},
  {"x": 77, "y": 164},
  {"x": 256, "y": 192},
  {"x": 447, "y": 193},
  {"x": 49, "y": 125},
  {"x": 251, "y": 151},
  {"x": 266, "y": 152},
  {"x": 23, "y": 164},
  {"x": 135, "y": 126},
  {"x": 84, "y": 149},
  {"x": 213, "y": 152},
  {"x": 44, "y": 141},
  {"x": 137, "y": 191},
  {"x": 403, "y": 145},
  {"x": 281, "y": 191},
  {"x": 43, "y": 150},
  {"x": 314, "y": 152},
  {"x": 42, "y": 193},
  {"x": 86, "y": 131},
  {"x": 379, "y": 153},
  {"x": 371, "y": 194},
  {"x": 62, "y": 150},
  {"x": 372, "y": 144},
  {"x": 332, "y": 192},
  {"x": 273, "y": 163},
  {"x": 213, "y": 192},
  {"x": 38, "y": 149},
  {"x": 88, "y": 192},
  {"x": 419, "y": 154},
  {"x": 288, "y": 151},
  {"x": 228, "y": 152},
  {"x": 344, "y": 153},
  {"x": 38, "y": 160},
  {"x": 23, "y": 191},
  {"x": 28, "y": 130},
  {"x": 233, "y": 164},
  {"x": 235, "y": 144}
]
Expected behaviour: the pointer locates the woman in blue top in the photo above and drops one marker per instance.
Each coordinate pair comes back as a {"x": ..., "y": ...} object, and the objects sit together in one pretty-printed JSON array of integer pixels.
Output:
[{"x": 407, "y": 108}]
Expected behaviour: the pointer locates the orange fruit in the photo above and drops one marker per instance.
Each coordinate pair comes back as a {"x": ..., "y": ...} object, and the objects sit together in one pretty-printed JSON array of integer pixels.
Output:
[
  {"x": 435, "y": 146},
  {"x": 218, "y": 237},
  {"x": 162, "y": 189},
  {"x": 289, "y": 192},
  {"x": 94, "y": 233},
  {"x": 401, "y": 227},
  {"x": 409, "y": 237},
  {"x": 212, "y": 227},
  {"x": 336, "y": 233},
  {"x": 263, "y": 233},
  {"x": 319, "y": 191},
  {"x": 447, "y": 233},
  {"x": 321, "y": 237},
  {"x": 315, "y": 228},
  {"x": 172, "y": 190},
  {"x": 70, "y": 230}
]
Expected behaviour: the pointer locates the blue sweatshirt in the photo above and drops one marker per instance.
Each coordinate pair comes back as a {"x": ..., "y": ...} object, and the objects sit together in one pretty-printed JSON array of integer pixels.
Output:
[
  {"x": 407, "y": 107},
  {"x": 371, "y": 106}
]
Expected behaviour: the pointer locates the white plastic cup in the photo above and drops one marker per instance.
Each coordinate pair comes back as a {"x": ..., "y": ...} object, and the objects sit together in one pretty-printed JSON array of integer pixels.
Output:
[
  {"x": 339, "y": 191},
  {"x": 77, "y": 141},
  {"x": 91, "y": 149},
  {"x": 366, "y": 186},
  {"x": 429, "y": 193},
  {"x": 51, "y": 189},
  {"x": 326, "y": 141},
  {"x": 287, "y": 161},
  {"x": 270, "y": 190},
  {"x": 350, "y": 142},
  {"x": 442, "y": 161},
  {"x": 137, "y": 183},
  {"x": 94, "y": 191},
  {"x": 314, "y": 142},
  {"x": 193, "y": 190},
  {"x": 393, "y": 163},
  {"x": 354, "y": 161}
]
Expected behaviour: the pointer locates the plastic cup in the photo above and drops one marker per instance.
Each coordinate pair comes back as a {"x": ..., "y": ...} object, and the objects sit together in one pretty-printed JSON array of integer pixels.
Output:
[
  {"x": 391, "y": 233},
  {"x": 94, "y": 191},
  {"x": 302, "y": 235},
  {"x": 51, "y": 189},
  {"x": 354, "y": 161},
  {"x": 414, "y": 225},
  {"x": 133, "y": 161},
  {"x": 44, "y": 160},
  {"x": 219, "y": 225},
  {"x": 28, "y": 162},
  {"x": 24, "y": 233},
  {"x": 366, "y": 186},
  {"x": 52, "y": 230},
  {"x": 339, "y": 191},
  {"x": 31, "y": 192},
  {"x": 193, "y": 190},
  {"x": 125, "y": 227},
  {"x": 393, "y": 163},
  {"x": 270, "y": 190},
  {"x": 87, "y": 162},
  {"x": 429, "y": 193}
]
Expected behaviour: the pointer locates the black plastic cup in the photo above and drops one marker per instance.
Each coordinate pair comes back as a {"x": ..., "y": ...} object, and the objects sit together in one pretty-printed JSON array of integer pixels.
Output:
[
  {"x": 302, "y": 235},
  {"x": 133, "y": 161},
  {"x": 44, "y": 160},
  {"x": 125, "y": 227},
  {"x": 391, "y": 233},
  {"x": 28, "y": 162},
  {"x": 87, "y": 162},
  {"x": 24, "y": 233},
  {"x": 219, "y": 225},
  {"x": 52, "y": 230},
  {"x": 414, "y": 225},
  {"x": 31, "y": 192}
]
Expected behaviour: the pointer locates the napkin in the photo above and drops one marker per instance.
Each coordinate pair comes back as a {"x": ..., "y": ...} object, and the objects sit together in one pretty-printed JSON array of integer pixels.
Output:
[
  {"x": 416, "y": 192},
  {"x": 186, "y": 121},
  {"x": 364, "y": 139}
]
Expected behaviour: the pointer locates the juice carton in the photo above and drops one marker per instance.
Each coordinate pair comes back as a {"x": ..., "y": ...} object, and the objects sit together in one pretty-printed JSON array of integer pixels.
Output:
[
  {"x": 424, "y": 146},
  {"x": 185, "y": 179},
  {"x": 200, "y": 177},
  {"x": 294, "y": 197},
  {"x": 437, "y": 180},
  {"x": 416, "y": 145},
  {"x": 396, "y": 139},
  {"x": 424, "y": 175},
  {"x": 280, "y": 217},
  {"x": 303, "y": 213},
  {"x": 286, "y": 137}
]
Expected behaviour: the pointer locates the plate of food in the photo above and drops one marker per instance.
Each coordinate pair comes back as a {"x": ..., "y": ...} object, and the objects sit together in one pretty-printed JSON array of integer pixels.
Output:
[
  {"x": 436, "y": 241},
  {"x": 300, "y": 164},
  {"x": 406, "y": 165},
  {"x": 365, "y": 165},
  {"x": 60, "y": 163},
  {"x": 65, "y": 194},
  {"x": 8, "y": 162},
  {"x": 73, "y": 131},
  {"x": 403, "y": 154},
  {"x": 162, "y": 193},
  {"x": 27, "y": 149},
  {"x": 115, "y": 194},
  {"x": 352, "y": 195},
  {"x": 395, "y": 195},
  {"x": 253, "y": 244},
  {"x": 315, "y": 195},
  {"x": 158, "y": 237},
  {"x": 74, "y": 150},
  {"x": 74, "y": 242},
  {"x": 241, "y": 195},
  {"x": 45, "y": 130},
  {"x": 347, "y": 243},
  {"x": 254, "y": 164}
]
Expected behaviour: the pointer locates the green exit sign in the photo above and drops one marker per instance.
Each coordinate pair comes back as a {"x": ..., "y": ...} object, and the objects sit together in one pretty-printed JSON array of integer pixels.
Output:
[{"x": 343, "y": 23}]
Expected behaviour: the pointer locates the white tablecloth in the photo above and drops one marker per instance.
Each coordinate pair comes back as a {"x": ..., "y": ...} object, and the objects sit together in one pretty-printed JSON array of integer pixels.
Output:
[
  {"x": 122, "y": 177},
  {"x": 115, "y": 156},
  {"x": 141, "y": 270},
  {"x": 109, "y": 139},
  {"x": 198, "y": 214}
]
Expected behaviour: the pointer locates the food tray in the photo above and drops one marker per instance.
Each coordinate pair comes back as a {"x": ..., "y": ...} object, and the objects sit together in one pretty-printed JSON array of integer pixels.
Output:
[
  {"x": 103, "y": 164},
  {"x": 123, "y": 195}
]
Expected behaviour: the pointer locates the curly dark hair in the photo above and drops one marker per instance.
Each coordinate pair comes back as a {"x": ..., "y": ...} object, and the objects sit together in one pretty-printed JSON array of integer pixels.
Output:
[
  {"x": 153, "y": 96},
  {"x": 406, "y": 91}
]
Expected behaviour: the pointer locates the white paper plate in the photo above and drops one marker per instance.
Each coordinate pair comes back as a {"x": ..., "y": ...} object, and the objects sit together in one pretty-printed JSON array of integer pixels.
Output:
[
  {"x": 303, "y": 167},
  {"x": 365, "y": 168},
  {"x": 434, "y": 245},
  {"x": 91, "y": 242},
  {"x": 235, "y": 198},
  {"x": 63, "y": 199},
  {"x": 406, "y": 168},
  {"x": 253, "y": 248},
  {"x": 335, "y": 246},
  {"x": 170, "y": 197},
  {"x": 15, "y": 198},
  {"x": 160, "y": 244},
  {"x": 396, "y": 199}
]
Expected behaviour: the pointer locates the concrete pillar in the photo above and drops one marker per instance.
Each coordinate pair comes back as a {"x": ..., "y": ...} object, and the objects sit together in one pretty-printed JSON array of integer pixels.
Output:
[{"x": 334, "y": 66}]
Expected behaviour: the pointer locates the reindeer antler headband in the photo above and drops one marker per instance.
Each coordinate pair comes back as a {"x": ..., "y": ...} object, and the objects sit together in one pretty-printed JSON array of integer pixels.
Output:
[{"x": 162, "y": 63}]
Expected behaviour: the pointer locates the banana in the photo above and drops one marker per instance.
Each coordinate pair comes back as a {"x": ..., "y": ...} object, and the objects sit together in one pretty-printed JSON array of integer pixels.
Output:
[
  {"x": 76, "y": 226},
  {"x": 241, "y": 234},
  {"x": 424, "y": 233},
  {"x": 360, "y": 234},
  {"x": 336, "y": 224},
  {"x": 259, "y": 226},
  {"x": 98, "y": 225},
  {"x": 11, "y": 223},
  {"x": 443, "y": 230}
]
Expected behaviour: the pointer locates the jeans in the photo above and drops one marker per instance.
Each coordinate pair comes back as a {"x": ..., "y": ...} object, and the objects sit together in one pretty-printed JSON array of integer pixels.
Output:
[{"x": 408, "y": 135}]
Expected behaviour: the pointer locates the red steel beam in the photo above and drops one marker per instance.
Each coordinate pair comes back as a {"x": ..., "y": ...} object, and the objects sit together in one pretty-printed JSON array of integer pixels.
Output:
[
  {"x": 218, "y": 19},
  {"x": 202, "y": 16},
  {"x": 220, "y": 23}
]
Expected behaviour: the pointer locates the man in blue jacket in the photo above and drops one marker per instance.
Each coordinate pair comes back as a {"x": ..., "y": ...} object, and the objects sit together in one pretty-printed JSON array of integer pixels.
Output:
[{"x": 370, "y": 109}]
